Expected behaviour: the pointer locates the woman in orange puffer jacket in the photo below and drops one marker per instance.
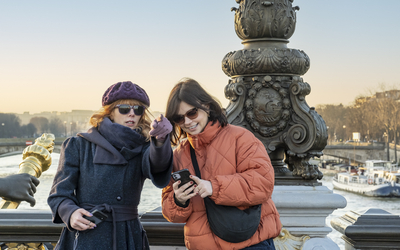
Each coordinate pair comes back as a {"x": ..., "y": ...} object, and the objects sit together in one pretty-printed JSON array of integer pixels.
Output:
[{"x": 234, "y": 166}]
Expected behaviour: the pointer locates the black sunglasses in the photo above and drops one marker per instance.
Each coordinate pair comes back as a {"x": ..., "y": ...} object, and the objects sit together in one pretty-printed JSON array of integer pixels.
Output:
[
  {"x": 191, "y": 114},
  {"x": 125, "y": 109}
]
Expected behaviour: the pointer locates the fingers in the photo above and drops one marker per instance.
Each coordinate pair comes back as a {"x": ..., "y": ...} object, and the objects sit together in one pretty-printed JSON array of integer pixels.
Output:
[
  {"x": 87, "y": 213},
  {"x": 175, "y": 185},
  {"x": 153, "y": 125},
  {"x": 196, "y": 179},
  {"x": 204, "y": 188},
  {"x": 184, "y": 196},
  {"x": 89, "y": 225},
  {"x": 185, "y": 192},
  {"x": 202, "y": 193},
  {"x": 82, "y": 226},
  {"x": 33, "y": 188},
  {"x": 189, "y": 196},
  {"x": 30, "y": 192},
  {"x": 160, "y": 118},
  {"x": 78, "y": 222},
  {"x": 161, "y": 127},
  {"x": 31, "y": 201},
  {"x": 182, "y": 188},
  {"x": 35, "y": 180},
  {"x": 86, "y": 224}
]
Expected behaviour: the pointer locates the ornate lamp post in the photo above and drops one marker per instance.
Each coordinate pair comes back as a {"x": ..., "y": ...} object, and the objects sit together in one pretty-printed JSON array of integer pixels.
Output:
[{"x": 267, "y": 94}]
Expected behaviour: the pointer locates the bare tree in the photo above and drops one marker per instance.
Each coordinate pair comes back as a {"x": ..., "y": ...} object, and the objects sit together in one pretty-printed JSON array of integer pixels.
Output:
[
  {"x": 384, "y": 109},
  {"x": 335, "y": 117},
  {"x": 41, "y": 123}
]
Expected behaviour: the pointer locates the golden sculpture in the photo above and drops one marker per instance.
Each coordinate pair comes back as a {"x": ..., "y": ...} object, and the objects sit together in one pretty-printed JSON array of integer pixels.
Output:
[
  {"x": 286, "y": 241},
  {"x": 25, "y": 246},
  {"x": 35, "y": 160}
]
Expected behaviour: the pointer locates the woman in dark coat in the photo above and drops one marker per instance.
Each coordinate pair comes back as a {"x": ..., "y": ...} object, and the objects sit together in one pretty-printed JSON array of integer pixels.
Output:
[{"x": 105, "y": 169}]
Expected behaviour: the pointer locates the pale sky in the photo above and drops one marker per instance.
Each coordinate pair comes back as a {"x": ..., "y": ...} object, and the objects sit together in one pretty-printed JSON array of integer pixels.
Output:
[{"x": 63, "y": 55}]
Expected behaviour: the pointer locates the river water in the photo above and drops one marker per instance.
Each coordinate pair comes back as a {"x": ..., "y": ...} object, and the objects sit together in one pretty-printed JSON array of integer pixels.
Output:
[{"x": 151, "y": 196}]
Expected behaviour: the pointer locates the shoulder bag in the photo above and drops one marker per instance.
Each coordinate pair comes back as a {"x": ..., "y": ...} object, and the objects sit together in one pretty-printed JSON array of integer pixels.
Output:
[{"x": 228, "y": 222}]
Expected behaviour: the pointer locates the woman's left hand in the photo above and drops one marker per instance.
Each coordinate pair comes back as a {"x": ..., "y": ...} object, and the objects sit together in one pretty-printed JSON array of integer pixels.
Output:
[
  {"x": 160, "y": 128},
  {"x": 204, "y": 188}
]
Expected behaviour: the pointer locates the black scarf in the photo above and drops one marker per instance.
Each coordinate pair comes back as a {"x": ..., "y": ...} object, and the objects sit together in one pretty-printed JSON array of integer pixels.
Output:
[{"x": 116, "y": 144}]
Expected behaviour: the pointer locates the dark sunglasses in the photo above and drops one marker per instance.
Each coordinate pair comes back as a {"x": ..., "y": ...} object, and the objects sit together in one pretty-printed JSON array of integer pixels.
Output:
[
  {"x": 191, "y": 114},
  {"x": 125, "y": 109}
]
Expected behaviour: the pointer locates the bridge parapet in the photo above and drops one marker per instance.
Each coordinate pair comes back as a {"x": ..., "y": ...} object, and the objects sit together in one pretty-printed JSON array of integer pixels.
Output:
[
  {"x": 356, "y": 153},
  {"x": 18, "y": 146},
  {"x": 361, "y": 152},
  {"x": 34, "y": 228}
]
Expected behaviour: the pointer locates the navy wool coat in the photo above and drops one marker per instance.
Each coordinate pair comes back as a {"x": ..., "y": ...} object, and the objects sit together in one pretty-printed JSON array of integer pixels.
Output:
[{"x": 93, "y": 171}]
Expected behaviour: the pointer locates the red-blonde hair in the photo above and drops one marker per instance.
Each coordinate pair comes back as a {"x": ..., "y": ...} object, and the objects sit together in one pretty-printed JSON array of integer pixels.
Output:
[{"x": 105, "y": 111}]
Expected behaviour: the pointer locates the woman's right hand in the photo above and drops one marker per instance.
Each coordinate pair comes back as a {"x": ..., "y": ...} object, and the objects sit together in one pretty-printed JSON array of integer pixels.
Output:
[
  {"x": 78, "y": 222},
  {"x": 181, "y": 194}
]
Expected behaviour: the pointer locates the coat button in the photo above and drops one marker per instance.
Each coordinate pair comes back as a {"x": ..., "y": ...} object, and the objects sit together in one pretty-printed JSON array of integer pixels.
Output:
[{"x": 119, "y": 198}]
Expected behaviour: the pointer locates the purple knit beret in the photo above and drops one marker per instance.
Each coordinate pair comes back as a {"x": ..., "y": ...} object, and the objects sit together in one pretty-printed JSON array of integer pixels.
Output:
[{"x": 125, "y": 90}]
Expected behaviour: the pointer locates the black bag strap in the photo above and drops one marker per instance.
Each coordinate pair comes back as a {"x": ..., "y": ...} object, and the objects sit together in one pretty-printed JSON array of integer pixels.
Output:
[{"x": 194, "y": 161}]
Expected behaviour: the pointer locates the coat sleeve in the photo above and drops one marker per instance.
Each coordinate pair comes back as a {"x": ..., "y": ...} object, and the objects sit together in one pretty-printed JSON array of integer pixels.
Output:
[
  {"x": 157, "y": 163},
  {"x": 62, "y": 199},
  {"x": 253, "y": 182},
  {"x": 171, "y": 211}
]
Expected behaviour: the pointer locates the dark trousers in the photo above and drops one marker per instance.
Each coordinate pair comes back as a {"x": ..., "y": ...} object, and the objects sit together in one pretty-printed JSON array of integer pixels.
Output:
[{"x": 263, "y": 245}]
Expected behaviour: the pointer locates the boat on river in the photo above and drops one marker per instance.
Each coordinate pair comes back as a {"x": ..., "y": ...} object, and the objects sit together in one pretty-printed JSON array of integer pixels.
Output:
[{"x": 377, "y": 179}]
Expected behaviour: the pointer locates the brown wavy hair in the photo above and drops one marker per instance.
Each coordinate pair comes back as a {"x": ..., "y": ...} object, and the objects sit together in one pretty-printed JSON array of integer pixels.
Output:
[
  {"x": 189, "y": 91},
  {"x": 105, "y": 111}
]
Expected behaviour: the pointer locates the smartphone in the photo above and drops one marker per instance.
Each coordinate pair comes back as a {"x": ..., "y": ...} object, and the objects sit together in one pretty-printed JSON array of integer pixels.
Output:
[
  {"x": 97, "y": 217},
  {"x": 183, "y": 176}
]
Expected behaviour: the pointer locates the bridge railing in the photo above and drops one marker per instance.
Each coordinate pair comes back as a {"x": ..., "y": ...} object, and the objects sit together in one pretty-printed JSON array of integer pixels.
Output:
[
  {"x": 33, "y": 229},
  {"x": 337, "y": 143},
  {"x": 10, "y": 145}
]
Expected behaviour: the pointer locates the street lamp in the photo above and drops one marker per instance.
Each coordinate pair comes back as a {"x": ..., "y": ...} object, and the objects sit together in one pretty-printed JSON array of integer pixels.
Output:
[
  {"x": 387, "y": 145},
  {"x": 65, "y": 126},
  {"x": 344, "y": 128},
  {"x": 71, "y": 128},
  {"x": 3, "y": 131},
  {"x": 327, "y": 128}
]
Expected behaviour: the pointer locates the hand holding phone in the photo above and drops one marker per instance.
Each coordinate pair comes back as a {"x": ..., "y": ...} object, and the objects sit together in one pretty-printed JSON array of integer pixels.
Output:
[
  {"x": 97, "y": 217},
  {"x": 183, "y": 176}
]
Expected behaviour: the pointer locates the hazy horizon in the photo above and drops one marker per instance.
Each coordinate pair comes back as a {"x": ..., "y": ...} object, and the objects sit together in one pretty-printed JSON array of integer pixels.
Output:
[{"x": 62, "y": 56}]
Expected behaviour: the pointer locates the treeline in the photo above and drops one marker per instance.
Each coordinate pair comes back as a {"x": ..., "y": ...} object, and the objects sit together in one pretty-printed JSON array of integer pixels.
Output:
[
  {"x": 10, "y": 127},
  {"x": 375, "y": 118}
]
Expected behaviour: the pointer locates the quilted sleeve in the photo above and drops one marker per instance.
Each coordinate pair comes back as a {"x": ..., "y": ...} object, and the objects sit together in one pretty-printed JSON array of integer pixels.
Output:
[
  {"x": 253, "y": 182},
  {"x": 170, "y": 210}
]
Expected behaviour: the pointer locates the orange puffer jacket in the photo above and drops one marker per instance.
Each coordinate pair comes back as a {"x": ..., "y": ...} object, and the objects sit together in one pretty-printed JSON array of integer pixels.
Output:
[{"x": 241, "y": 174}]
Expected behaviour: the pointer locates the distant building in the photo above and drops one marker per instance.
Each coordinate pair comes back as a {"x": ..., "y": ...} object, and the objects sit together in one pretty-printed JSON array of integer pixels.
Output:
[
  {"x": 80, "y": 118},
  {"x": 393, "y": 94}
]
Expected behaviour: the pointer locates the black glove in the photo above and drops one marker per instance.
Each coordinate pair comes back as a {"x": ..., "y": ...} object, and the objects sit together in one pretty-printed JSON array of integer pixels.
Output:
[{"x": 19, "y": 187}]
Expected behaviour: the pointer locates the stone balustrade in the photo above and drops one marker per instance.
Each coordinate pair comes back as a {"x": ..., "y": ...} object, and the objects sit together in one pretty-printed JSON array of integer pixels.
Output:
[{"x": 34, "y": 230}]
